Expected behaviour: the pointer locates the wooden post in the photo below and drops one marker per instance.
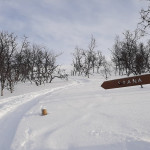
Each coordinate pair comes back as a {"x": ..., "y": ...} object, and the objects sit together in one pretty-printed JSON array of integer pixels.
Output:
[{"x": 44, "y": 112}]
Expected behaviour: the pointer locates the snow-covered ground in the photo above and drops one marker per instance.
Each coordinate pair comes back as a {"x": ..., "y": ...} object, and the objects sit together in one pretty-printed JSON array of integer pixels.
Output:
[{"x": 81, "y": 116}]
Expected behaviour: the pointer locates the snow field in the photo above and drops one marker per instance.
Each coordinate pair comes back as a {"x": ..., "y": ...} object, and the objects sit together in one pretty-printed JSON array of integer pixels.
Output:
[{"x": 81, "y": 116}]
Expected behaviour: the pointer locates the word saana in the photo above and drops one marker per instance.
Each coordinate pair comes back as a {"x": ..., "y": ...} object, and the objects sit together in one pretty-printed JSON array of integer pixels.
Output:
[{"x": 125, "y": 82}]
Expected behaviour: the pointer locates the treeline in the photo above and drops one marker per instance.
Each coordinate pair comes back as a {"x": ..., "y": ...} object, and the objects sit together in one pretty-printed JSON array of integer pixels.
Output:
[
  {"x": 131, "y": 56},
  {"x": 90, "y": 60},
  {"x": 25, "y": 62}
]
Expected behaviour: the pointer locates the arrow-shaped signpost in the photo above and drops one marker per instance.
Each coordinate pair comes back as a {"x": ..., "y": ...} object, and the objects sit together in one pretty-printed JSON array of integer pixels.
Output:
[{"x": 125, "y": 82}]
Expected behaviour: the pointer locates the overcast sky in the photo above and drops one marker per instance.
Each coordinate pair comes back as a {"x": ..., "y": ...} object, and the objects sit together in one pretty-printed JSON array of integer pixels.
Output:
[{"x": 61, "y": 25}]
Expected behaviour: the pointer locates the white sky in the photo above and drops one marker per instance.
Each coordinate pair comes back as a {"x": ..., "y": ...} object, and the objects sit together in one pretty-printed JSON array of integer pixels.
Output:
[{"x": 61, "y": 25}]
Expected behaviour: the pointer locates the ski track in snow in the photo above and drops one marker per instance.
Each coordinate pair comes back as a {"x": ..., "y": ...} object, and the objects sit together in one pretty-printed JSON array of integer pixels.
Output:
[
  {"x": 14, "y": 108},
  {"x": 9, "y": 104}
]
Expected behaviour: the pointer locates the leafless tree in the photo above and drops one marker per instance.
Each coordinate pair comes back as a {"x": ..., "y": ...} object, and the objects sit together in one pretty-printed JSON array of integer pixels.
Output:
[
  {"x": 99, "y": 60},
  {"x": 7, "y": 50},
  {"x": 78, "y": 61},
  {"x": 106, "y": 69},
  {"x": 145, "y": 19},
  {"x": 85, "y": 61}
]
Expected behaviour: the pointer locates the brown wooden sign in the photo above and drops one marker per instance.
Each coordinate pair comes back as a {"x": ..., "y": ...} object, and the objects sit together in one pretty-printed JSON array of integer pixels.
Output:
[{"x": 124, "y": 82}]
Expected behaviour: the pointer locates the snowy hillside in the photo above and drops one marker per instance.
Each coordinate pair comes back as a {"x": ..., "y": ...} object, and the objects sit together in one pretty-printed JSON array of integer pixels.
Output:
[{"x": 81, "y": 116}]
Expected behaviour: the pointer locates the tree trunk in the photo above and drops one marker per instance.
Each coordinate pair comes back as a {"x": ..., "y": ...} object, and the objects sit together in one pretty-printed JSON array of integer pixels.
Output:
[
  {"x": 2, "y": 88},
  {"x": 1, "y": 92}
]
